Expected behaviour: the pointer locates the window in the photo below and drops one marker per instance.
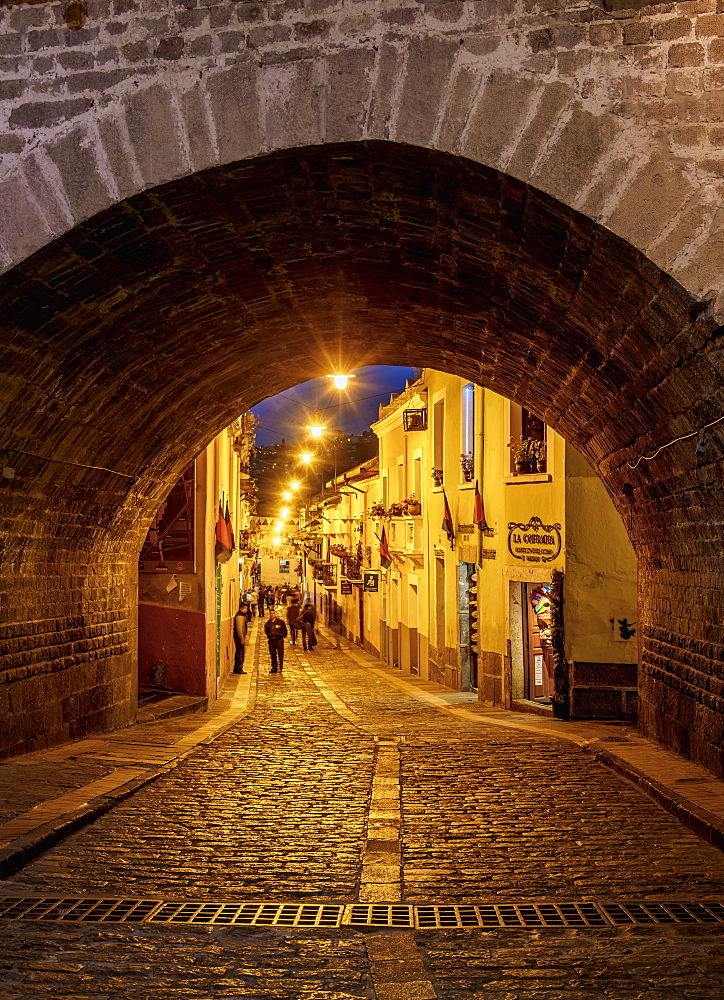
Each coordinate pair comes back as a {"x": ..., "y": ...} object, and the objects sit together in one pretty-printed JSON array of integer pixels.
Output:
[
  {"x": 528, "y": 451},
  {"x": 439, "y": 438},
  {"x": 467, "y": 423}
]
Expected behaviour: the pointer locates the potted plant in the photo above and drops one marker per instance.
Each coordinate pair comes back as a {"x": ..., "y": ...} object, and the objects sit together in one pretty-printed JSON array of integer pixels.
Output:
[
  {"x": 541, "y": 455},
  {"x": 378, "y": 510},
  {"x": 437, "y": 476},
  {"x": 396, "y": 510},
  {"x": 524, "y": 455},
  {"x": 413, "y": 505},
  {"x": 466, "y": 465}
]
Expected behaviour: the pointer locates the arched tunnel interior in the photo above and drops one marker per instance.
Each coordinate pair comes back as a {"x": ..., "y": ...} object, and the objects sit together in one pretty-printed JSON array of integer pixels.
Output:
[{"x": 132, "y": 340}]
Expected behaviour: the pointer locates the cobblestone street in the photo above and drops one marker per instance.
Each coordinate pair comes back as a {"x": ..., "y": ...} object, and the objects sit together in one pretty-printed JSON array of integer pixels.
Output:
[{"x": 341, "y": 787}]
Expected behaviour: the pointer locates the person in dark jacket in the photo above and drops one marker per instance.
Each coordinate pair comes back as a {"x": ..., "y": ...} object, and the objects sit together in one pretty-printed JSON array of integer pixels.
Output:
[
  {"x": 307, "y": 618},
  {"x": 276, "y": 633},
  {"x": 240, "y": 629},
  {"x": 295, "y": 626}
]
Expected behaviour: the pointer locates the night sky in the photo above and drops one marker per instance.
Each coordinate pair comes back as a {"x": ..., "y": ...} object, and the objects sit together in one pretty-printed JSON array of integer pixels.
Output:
[{"x": 281, "y": 417}]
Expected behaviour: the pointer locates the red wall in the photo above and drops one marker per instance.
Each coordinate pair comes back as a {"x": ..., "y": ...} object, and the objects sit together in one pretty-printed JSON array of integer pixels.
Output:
[{"x": 178, "y": 638}]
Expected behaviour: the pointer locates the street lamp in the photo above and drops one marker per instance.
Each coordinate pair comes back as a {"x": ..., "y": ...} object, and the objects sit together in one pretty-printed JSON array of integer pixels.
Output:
[
  {"x": 340, "y": 381},
  {"x": 285, "y": 512},
  {"x": 306, "y": 457},
  {"x": 286, "y": 495},
  {"x": 294, "y": 485},
  {"x": 316, "y": 429}
]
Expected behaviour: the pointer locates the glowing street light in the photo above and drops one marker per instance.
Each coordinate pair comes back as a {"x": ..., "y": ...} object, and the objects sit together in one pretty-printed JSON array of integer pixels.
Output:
[
  {"x": 316, "y": 430},
  {"x": 306, "y": 457},
  {"x": 285, "y": 512},
  {"x": 286, "y": 496},
  {"x": 340, "y": 381},
  {"x": 280, "y": 525},
  {"x": 294, "y": 485}
]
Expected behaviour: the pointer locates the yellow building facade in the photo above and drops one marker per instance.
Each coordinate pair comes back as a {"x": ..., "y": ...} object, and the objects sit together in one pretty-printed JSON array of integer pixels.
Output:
[{"x": 525, "y": 592}]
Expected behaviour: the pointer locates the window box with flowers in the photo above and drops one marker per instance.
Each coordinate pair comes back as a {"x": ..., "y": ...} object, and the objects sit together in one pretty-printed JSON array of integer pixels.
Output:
[
  {"x": 467, "y": 466},
  {"x": 377, "y": 510},
  {"x": 437, "y": 477},
  {"x": 412, "y": 505},
  {"x": 529, "y": 455},
  {"x": 397, "y": 510}
]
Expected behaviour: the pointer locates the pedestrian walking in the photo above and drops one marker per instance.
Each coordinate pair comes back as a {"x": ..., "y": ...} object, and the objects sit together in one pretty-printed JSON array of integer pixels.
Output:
[
  {"x": 308, "y": 620},
  {"x": 276, "y": 633},
  {"x": 293, "y": 615},
  {"x": 252, "y": 598},
  {"x": 240, "y": 634},
  {"x": 270, "y": 597},
  {"x": 261, "y": 600}
]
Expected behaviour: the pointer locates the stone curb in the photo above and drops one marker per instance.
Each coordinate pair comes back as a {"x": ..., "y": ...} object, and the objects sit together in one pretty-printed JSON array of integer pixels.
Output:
[
  {"x": 706, "y": 825},
  {"x": 20, "y": 852},
  {"x": 193, "y": 706}
]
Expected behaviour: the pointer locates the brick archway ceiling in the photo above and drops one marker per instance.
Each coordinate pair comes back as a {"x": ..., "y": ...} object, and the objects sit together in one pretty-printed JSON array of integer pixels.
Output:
[{"x": 130, "y": 341}]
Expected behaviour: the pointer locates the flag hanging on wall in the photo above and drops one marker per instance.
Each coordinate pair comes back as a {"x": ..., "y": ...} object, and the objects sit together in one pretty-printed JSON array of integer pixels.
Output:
[
  {"x": 229, "y": 529},
  {"x": 385, "y": 557},
  {"x": 222, "y": 549},
  {"x": 479, "y": 512},
  {"x": 447, "y": 522}
]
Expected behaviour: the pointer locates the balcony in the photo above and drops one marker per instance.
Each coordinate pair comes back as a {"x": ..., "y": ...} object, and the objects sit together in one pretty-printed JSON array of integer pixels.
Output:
[{"x": 407, "y": 537}]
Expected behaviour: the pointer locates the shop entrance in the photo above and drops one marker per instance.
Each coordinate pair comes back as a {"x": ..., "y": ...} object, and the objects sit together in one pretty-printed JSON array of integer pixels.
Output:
[{"x": 538, "y": 681}]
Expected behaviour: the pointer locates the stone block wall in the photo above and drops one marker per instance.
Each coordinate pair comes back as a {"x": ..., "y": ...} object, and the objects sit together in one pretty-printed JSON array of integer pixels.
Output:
[
  {"x": 603, "y": 691},
  {"x": 617, "y": 113}
]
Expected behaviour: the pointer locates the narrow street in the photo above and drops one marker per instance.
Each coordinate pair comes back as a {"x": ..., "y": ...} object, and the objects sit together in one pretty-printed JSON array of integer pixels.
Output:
[{"x": 340, "y": 787}]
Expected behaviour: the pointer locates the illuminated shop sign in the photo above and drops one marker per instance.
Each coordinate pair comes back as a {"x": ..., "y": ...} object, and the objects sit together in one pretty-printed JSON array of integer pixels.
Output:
[{"x": 534, "y": 542}]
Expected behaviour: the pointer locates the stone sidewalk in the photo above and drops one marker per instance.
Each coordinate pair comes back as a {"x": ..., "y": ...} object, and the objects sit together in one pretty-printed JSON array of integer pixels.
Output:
[{"x": 47, "y": 795}]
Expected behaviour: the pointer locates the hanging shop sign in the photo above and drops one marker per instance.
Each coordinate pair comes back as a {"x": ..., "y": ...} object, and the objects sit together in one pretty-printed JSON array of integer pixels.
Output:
[
  {"x": 371, "y": 581},
  {"x": 534, "y": 542},
  {"x": 345, "y": 587}
]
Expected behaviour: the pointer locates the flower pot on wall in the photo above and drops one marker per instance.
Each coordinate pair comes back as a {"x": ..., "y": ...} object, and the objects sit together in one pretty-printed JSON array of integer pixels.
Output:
[{"x": 525, "y": 468}]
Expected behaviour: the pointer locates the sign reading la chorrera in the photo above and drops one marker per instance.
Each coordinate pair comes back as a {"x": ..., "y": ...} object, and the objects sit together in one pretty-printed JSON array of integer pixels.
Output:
[{"x": 534, "y": 541}]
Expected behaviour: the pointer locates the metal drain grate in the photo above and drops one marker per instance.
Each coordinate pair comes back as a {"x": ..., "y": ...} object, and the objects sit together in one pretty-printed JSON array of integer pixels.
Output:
[
  {"x": 512, "y": 915},
  {"x": 379, "y": 915},
  {"x": 249, "y": 914},
  {"x": 423, "y": 916},
  {"x": 663, "y": 913},
  {"x": 156, "y": 911}
]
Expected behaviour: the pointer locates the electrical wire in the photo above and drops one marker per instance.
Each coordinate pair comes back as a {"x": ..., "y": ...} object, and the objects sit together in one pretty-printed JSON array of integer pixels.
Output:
[{"x": 683, "y": 437}]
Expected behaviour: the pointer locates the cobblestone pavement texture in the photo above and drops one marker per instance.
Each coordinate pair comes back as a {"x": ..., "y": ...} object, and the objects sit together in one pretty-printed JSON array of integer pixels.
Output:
[
  {"x": 276, "y": 808},
  {"x": 49, "y": 779}
]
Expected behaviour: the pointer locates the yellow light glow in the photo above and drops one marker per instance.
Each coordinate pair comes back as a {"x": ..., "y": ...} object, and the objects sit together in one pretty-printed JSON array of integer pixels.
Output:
[
  {"x": 286, "y": 495},
  {"x": 294, "y": 485},
  {"x": 340, "y": 381},
  {"x": 316, "y": 430},
  {"x": 277, "y": 541},
  {"x": 306, "y": 457},
  {"x": 280, "y": 525},
  {"x": 285, "y": 512}
]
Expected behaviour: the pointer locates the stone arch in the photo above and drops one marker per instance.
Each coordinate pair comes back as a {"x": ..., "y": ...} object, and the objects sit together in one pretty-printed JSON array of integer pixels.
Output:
[
  {"x": 615, "y": 113},
  {"x": 128, "y": 343}
]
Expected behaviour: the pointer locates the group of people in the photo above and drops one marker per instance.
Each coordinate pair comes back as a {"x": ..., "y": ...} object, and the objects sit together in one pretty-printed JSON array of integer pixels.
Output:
[
  {"x": 260, "y": 599},
  {"x": 301, "y": 620}
]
